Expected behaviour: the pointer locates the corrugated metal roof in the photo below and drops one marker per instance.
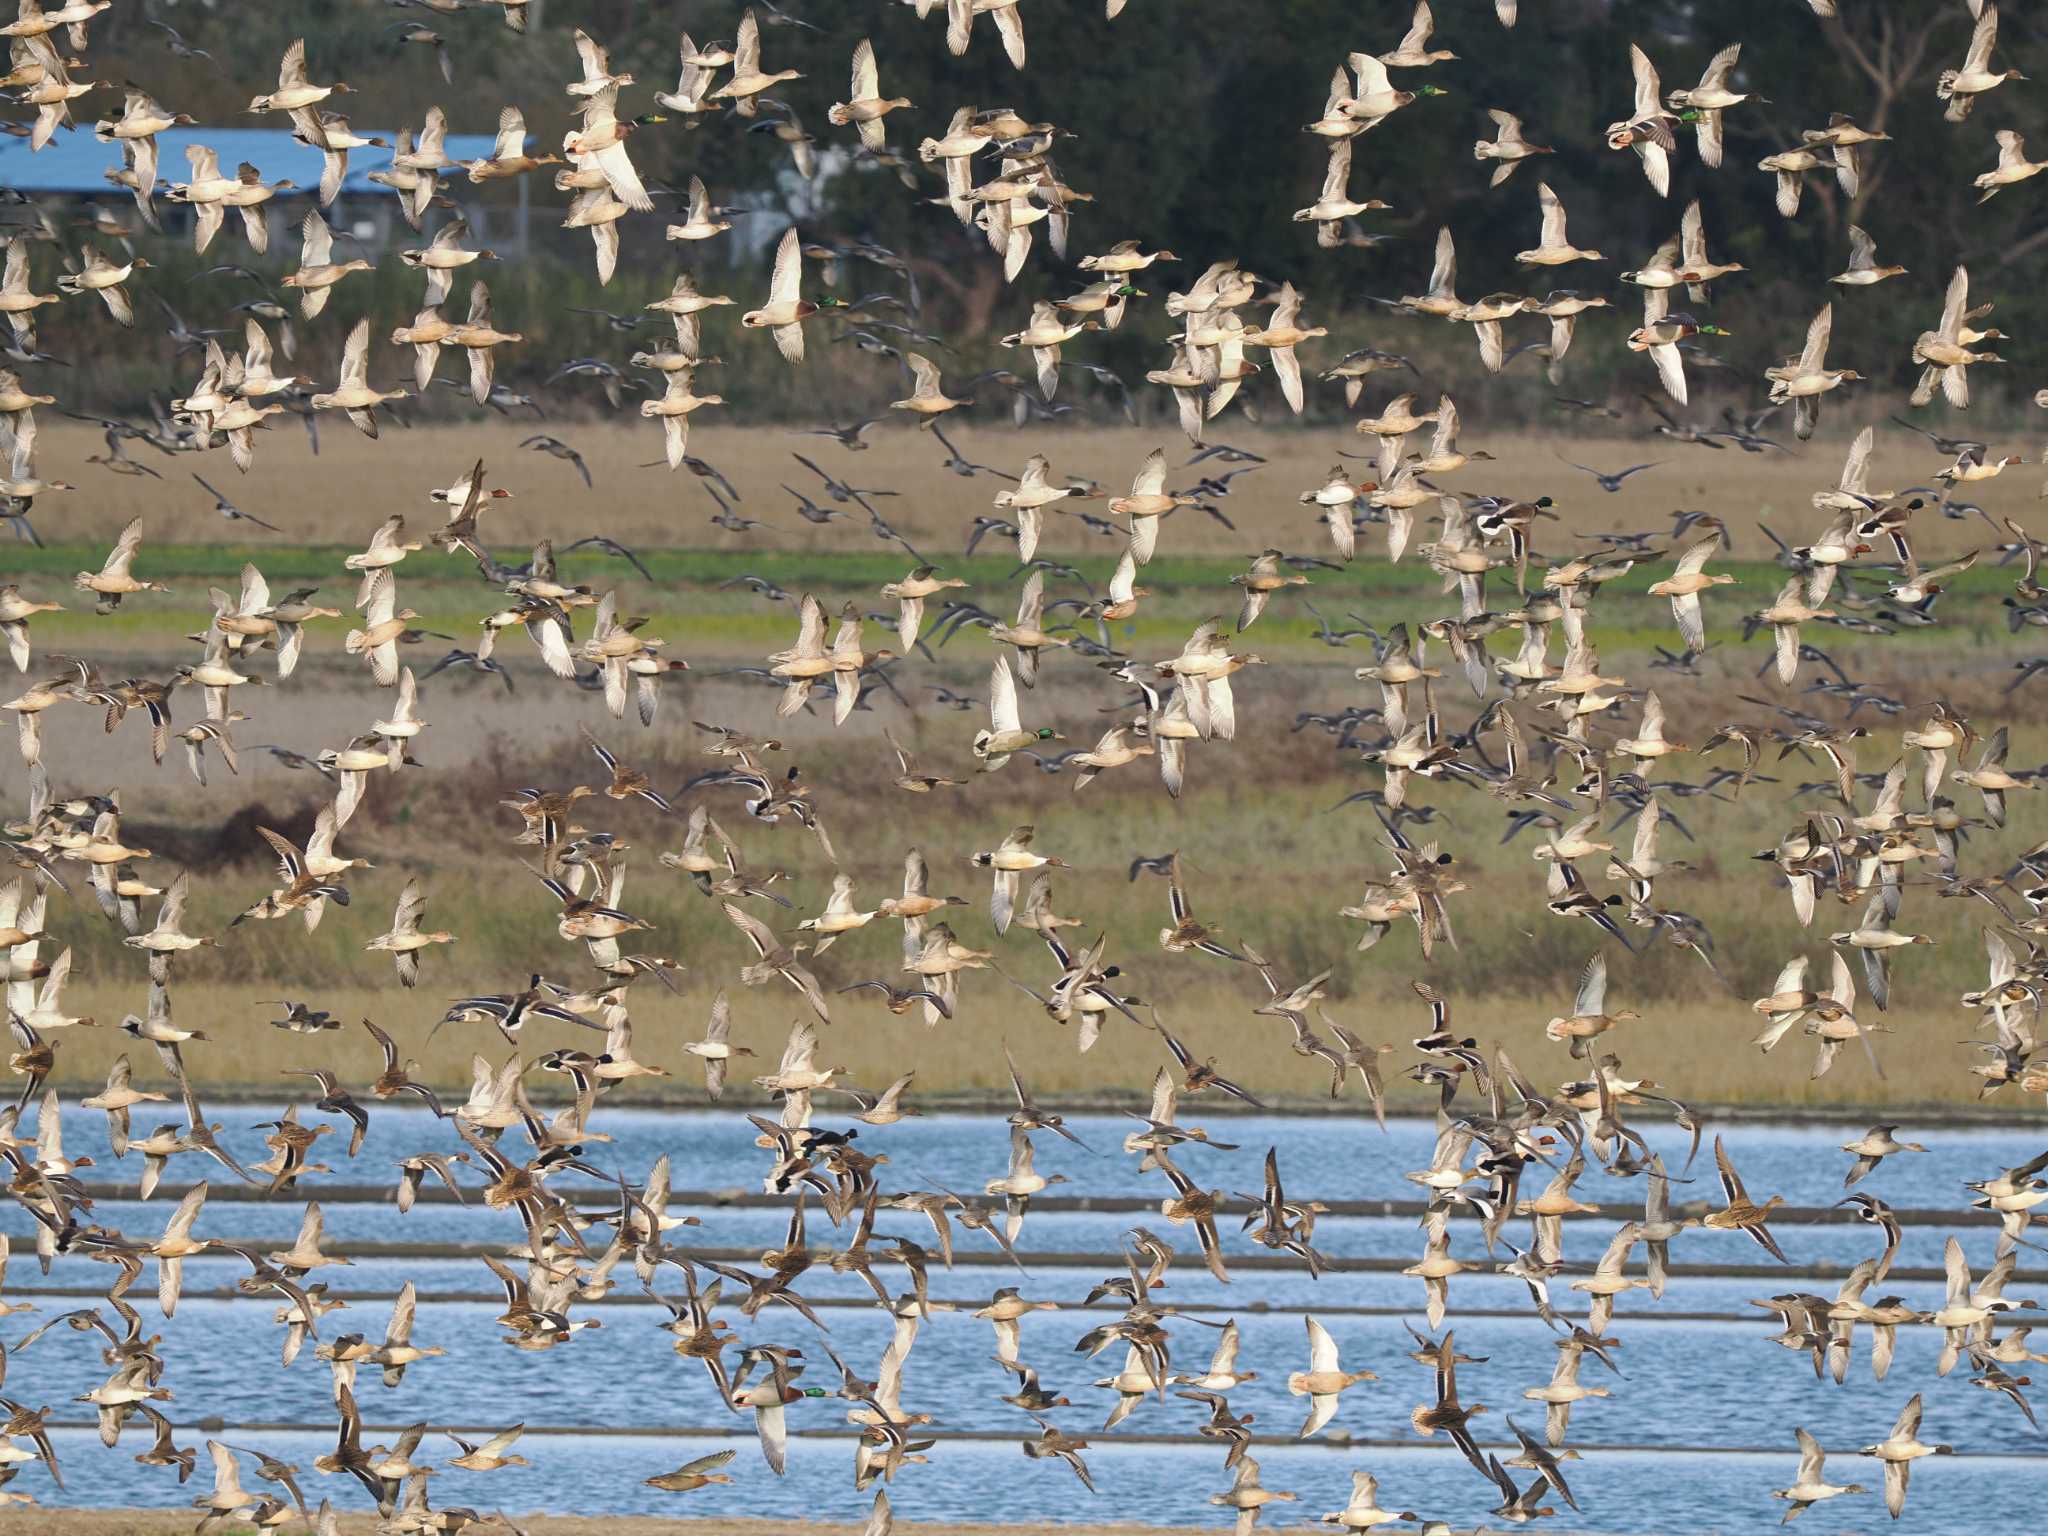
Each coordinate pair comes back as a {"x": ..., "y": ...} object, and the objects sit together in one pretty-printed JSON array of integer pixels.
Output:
[{"x": 76, "y": 162}]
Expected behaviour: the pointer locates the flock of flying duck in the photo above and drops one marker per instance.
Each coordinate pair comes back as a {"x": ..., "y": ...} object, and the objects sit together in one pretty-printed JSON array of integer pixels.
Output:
[{"x": 1573, "y": 744}]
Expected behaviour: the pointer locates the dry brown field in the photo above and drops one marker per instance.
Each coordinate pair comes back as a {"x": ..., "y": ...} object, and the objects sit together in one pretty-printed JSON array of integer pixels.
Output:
[
  {"x": 1271, "y": 859},
  {"x": 339, "y": 495}
]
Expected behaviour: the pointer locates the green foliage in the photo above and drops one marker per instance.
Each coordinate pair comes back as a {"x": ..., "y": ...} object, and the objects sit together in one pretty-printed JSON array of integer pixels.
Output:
[{"x": 1184, "y": 123}]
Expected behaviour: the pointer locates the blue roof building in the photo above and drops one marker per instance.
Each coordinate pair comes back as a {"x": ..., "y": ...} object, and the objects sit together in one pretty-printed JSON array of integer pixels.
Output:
[
  {"x": 73, "y": 167},
  {"x": 74, "y": 164}
]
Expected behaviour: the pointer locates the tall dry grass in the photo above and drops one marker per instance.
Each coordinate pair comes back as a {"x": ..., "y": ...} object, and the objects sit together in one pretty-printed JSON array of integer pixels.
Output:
[{"x": 1270, "y": 872}]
